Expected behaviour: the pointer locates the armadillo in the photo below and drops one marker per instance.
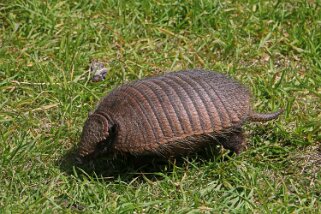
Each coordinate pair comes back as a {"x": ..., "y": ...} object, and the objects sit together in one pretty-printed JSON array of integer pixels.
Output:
[{"x": 171, "y": 115}]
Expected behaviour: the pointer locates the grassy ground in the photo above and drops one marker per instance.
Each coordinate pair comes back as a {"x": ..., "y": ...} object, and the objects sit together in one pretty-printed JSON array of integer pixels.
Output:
[{"x": 45, "y": 47}]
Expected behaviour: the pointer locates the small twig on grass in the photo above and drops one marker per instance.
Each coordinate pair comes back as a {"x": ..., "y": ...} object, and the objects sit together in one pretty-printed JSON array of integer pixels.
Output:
[
  {"x": 46, "y": 107},
  {"x": 35, "y": 83},
  {"x": 45, "y": 83}
]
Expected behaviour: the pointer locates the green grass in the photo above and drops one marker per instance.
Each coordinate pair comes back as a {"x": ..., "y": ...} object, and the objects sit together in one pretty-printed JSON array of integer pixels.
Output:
[{"x": 274, "y": 47}]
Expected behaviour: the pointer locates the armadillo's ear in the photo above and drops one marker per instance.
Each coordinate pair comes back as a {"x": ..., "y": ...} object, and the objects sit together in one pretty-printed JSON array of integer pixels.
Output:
[{"x": 94, "y": 131}]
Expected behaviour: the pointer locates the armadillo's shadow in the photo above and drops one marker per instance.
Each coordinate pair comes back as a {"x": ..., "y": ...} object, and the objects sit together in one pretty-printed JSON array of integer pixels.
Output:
[{"x": 130, "y": 167}]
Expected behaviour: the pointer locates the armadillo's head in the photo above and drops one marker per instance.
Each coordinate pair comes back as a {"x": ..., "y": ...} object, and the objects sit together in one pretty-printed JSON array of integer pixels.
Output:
[{"x": 95, "y": 130}]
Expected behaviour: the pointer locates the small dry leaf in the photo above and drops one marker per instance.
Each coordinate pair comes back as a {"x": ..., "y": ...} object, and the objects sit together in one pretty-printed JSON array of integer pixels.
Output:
[{"x": 98, "y": 70}]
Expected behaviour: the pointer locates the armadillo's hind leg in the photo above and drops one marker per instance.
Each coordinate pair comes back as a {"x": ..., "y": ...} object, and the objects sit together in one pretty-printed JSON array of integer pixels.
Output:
[{"x": 235, "y": 142}]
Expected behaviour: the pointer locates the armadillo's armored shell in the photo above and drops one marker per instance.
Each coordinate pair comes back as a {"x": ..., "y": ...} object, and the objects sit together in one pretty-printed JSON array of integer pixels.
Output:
[{"x": 156, "y": 113}]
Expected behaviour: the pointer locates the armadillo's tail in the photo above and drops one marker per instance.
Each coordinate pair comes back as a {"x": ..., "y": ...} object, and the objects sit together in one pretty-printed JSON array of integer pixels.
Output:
[{"x": 263, "y": 117}]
